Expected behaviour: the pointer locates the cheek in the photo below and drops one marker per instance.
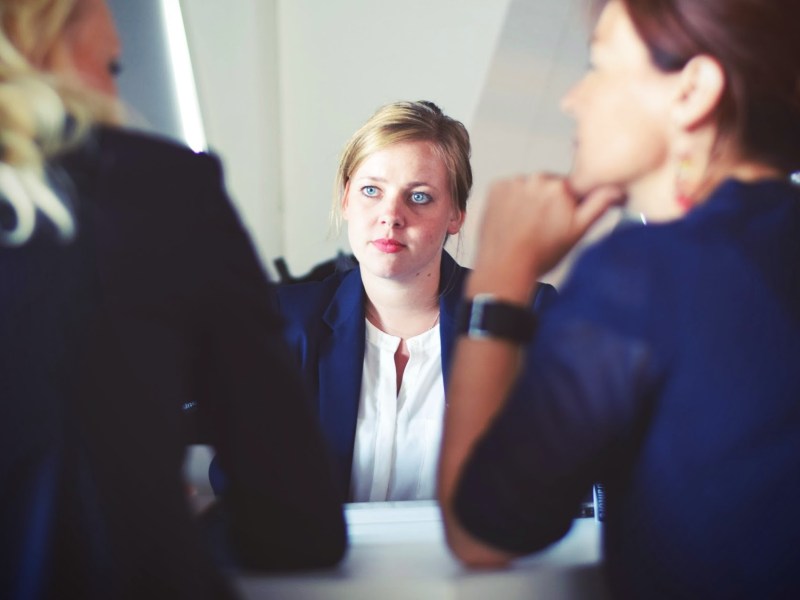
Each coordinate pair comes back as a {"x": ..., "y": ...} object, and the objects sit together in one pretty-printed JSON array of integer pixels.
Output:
[
  {"x": 349, "y": 206},
  {"x": 435, "y": 232},
  {"x": 622, "y": 137},
  {"x": 644, "y": 132},
  {"x": 357, "y": 220},
  {"x": 91, "y": 68}
]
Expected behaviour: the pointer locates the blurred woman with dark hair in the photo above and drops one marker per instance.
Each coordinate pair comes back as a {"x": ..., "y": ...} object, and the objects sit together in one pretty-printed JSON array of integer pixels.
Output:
[{"x": 667, "y": 369}]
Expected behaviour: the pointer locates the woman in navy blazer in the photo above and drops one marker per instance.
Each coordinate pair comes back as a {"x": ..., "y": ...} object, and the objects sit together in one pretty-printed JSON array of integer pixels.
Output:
[
  {"x": 668, "y": 368},
  {"x": 402, "y": 186},
  {"x": 325, "y": 328}
]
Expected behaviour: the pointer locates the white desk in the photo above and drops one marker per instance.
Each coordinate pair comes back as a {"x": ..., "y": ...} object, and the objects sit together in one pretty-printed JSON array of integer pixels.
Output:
[{"x": 397, "y": 551}]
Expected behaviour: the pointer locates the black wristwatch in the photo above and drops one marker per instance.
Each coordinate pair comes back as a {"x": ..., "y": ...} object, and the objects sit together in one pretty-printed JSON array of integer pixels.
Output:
[{"x": 487, "y": 317}]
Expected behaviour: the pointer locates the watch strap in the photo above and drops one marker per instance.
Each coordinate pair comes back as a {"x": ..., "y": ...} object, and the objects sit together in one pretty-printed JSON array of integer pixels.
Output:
[{"x": 487, "y": 317}]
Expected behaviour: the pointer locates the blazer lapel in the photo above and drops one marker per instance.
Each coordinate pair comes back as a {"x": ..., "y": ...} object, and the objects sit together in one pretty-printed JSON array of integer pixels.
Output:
[
  {"x": 450, "y": 286},
  {"x": 341, "y": 359}
]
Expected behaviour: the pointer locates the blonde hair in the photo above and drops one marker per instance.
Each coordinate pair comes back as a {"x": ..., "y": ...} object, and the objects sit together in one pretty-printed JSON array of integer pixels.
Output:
[
  {"x": 408, "y": 122},
  {"x": 41, "y": 113}
]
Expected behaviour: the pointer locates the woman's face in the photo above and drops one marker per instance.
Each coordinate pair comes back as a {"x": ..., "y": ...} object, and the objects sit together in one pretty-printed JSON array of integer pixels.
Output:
[
  {"x": 621, "y": 108},
  {"x": 90, "y": 47},
  {"x": 399, "y": 210}
]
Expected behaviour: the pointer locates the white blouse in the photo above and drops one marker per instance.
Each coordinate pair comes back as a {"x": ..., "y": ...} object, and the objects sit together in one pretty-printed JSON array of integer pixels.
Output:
[{"x": 398, "y": 434}]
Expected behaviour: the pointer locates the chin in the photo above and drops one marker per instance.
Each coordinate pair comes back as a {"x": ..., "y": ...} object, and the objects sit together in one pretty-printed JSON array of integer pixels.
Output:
[
  {"x": 385, "y": 266},
  {"x": 583, "y": 182},
  {"x": 580, "y": 184}
]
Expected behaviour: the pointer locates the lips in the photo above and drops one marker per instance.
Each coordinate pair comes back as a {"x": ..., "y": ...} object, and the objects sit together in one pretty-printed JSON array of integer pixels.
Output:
[{"x": 388, "y": 246}]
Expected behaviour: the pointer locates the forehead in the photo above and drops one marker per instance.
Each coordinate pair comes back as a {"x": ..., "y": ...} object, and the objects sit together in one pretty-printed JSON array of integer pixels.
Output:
[
  {"x": 92, "y": 20},
  {"x": 419, "y": 158},
  {"x": 615, "y": 33}
]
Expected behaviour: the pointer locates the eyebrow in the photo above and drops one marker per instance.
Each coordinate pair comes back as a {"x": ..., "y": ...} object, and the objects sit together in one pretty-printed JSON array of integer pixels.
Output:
[
  {"x": 411, "y": 184},
  {"x": 420, "y": 184}
]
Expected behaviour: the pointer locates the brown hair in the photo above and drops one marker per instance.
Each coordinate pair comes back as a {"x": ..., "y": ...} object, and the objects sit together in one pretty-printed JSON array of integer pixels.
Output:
[{"x": 757, "y": 43}]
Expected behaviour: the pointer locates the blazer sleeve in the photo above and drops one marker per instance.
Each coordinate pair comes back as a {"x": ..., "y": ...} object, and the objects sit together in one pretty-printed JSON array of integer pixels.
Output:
[
  {"x": 282, "y": 508},
  {"x": 545, "y": 296}
]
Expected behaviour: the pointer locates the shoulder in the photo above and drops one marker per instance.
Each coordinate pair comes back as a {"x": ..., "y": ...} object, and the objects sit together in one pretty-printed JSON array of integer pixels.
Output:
[
  {"x": 132, "y": 161},
  {"x": 302, "y": 303},
  {"x": 134, "y": 173},
  {"x": 545, "y": 295},
  {"x": 625, "y": 281},
  {"x": 452, "y": 276},
  {"x": 127, "y": 146},
  {"x": 621, "y": 254}
]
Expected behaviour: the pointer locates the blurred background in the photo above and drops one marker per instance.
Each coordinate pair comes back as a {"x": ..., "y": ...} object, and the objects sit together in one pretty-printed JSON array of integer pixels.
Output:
[{"x": 276, "y": 87}]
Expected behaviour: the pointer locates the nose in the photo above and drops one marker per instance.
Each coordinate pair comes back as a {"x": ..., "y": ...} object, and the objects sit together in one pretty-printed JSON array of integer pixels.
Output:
[{"x": 392, "y": 211}]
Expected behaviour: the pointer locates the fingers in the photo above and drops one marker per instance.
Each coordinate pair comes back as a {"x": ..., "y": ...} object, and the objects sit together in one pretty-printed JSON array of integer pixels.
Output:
[
  {"x": 594, "y": 205},
  {"x": 528, "y": 222},
  {"x": 533, "y": 220}
]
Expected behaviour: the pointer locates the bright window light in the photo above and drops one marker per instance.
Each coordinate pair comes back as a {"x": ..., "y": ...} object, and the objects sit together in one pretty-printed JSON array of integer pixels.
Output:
[{"x": 183, "y": 76}]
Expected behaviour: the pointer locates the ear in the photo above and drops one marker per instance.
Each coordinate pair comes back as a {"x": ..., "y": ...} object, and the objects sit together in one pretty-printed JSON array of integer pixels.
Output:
[
  {"x": 343, "y": 200},
  {"x": 700, "y": 86},
  {"x": 456, "y": 221}
]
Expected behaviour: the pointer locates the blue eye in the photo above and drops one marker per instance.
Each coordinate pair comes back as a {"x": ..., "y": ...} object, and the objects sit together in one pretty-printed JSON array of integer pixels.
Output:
[
  {"x": 420, "y": 198},
  {"x": 370, "y": 191}
]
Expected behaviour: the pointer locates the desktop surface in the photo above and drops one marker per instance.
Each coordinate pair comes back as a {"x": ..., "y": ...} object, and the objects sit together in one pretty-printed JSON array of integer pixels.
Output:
[{"x": 397, "y": 551}]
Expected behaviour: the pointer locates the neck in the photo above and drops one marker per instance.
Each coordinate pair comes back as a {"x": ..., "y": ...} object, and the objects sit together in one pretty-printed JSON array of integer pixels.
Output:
[
  {"x": 652, "y": 196},
  {"x": 655, "y": 195},
  {"x": 403, "y": 309},
  {"x": 746, "y": 171},
  {"x": 731, "y": 167}
]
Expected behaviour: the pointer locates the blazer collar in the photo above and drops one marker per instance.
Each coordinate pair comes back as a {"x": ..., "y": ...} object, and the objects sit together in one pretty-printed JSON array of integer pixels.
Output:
[
  {"x": 340, "y": 369},
  {"x": 451, "y": 284},
  {"x": 342, "y": 355}
]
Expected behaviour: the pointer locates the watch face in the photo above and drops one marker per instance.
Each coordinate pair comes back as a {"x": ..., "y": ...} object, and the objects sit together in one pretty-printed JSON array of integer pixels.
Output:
[{"x": 487, "y": 317}]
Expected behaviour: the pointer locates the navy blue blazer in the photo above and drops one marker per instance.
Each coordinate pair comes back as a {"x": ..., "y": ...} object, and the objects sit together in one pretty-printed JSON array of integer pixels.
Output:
[
  {"x": 160, "y": 300},
  {"x": 326, "y": 332},
  {"x": 667, "y": 370}
]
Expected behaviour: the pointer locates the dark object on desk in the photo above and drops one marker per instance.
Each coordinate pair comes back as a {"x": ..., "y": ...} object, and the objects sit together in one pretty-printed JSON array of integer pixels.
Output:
[
  {"x": 586, "y": 510},
  {"x": 599, "y": 493},
  {"x": 593, "y": 505},
  {"x": 159, "y": 301}
]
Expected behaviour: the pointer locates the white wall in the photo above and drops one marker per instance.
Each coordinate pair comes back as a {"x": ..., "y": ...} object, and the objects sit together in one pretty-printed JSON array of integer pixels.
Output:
[
  {"x": 284, "y": 83},
  {"x": 342, "y": 59},
  {"x": 518, "y": 126},
  {"x": 233, "y": 44}
]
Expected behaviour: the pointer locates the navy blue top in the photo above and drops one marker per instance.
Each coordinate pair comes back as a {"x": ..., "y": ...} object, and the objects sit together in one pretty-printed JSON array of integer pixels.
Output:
[
  {"x": 159, "y": 302},
  {"x": 668, "y": 369},
  {"x": 326, "y": 332}
]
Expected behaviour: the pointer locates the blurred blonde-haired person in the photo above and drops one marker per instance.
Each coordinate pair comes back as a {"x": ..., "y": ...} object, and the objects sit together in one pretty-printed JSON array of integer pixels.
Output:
[{"x": 130, "y": 289}]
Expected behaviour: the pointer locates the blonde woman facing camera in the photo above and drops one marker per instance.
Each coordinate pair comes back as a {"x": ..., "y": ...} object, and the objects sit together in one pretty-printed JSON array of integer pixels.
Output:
[
  {"x": 129, "y": 288},
  {"x": 374, "y": 343}
]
